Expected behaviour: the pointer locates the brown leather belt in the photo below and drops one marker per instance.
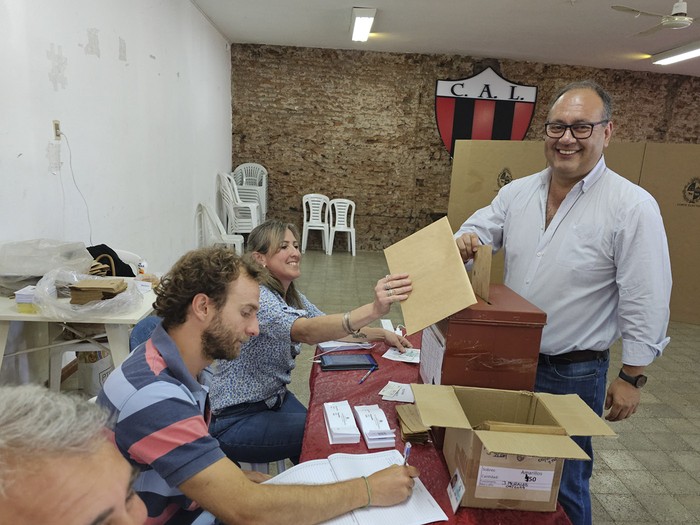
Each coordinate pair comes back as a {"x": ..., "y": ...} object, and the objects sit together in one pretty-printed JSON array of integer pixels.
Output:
[{"x": 578, "y": 356}]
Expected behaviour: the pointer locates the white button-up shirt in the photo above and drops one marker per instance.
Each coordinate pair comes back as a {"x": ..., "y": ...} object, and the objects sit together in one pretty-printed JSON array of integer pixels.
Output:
[{"x": 600, "y": 270}]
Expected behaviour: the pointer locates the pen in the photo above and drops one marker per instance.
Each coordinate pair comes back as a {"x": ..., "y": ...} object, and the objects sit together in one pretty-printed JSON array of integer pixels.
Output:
[
  {"x": 406, "y": 452},
  {"x": 366, "y": 375}
]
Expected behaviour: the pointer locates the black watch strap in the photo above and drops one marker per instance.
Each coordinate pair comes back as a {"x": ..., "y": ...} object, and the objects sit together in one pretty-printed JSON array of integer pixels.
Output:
[{"x": 636, "y": 381}]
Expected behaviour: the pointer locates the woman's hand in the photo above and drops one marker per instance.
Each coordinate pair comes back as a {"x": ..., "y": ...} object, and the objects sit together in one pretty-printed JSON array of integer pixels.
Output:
[
  {"x": 391, "y": 289},
  {"x": 396, "y": 340}
]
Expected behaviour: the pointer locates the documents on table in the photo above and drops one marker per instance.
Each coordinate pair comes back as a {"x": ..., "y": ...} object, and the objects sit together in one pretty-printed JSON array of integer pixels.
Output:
[
  {"x": 418, "y": 509},
  {"x": 397, "y": 392},
  {"x": 411, "y": 355},
  {"x": 375, "y": 427},
  {"x": 335, "y": 346},
  {"x": 340, "y": 424}
]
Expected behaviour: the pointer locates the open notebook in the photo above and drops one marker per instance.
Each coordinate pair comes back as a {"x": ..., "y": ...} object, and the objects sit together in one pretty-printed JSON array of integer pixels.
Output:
[{"x": 419, "y": 509}]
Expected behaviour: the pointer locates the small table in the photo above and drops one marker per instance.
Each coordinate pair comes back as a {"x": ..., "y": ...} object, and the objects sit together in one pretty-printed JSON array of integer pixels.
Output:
[
  {"x": 338, "y": 386},
  {"x": 116, "y": 327}
]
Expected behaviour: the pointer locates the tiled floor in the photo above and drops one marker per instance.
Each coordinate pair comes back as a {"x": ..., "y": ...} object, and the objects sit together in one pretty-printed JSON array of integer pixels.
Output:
[{"x": 649, "y": 474}]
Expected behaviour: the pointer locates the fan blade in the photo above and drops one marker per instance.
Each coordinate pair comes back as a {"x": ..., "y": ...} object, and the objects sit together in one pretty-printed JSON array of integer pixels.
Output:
[
  {"x": 650, "y": 31},
  {"x": 636, "y": 12}
]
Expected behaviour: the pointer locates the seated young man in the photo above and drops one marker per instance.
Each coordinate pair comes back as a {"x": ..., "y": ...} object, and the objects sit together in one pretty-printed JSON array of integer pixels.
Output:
[{"x": 208, "y": 302}]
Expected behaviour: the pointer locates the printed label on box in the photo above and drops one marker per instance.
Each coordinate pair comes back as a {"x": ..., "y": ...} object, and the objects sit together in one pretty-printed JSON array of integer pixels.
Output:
[
  {"x": 432, "y": 355},
  {"x": 511, "y": 476}
]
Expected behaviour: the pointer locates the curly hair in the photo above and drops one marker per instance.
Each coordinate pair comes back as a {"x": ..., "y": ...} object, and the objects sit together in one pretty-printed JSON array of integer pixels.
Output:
[
  {"x": 204, "y": 270},
  {"x": 267, "y": 238}
]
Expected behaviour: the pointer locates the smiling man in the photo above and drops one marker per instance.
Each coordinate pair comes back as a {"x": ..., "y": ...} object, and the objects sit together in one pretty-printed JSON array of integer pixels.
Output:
[
  {"x": 57, "y": 465},
  {"x": 158, "y": 399},
  {"x": 589, "y": 248}
]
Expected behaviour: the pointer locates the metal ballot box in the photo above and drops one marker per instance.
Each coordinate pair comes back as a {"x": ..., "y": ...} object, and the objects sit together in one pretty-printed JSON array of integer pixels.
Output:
[{"x": 492, "y": 344}]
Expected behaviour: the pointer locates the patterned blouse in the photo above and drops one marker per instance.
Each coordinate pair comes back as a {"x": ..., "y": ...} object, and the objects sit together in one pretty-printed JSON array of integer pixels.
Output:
[{"x": 264, "y": 368}]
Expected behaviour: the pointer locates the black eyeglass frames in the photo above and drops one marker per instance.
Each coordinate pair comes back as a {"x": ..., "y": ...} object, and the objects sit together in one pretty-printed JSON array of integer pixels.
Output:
[{"x": 580, "y": 130}]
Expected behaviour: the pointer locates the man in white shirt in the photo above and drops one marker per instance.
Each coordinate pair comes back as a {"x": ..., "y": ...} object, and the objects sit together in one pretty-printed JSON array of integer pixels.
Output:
[{"x": 589, "y": 248}]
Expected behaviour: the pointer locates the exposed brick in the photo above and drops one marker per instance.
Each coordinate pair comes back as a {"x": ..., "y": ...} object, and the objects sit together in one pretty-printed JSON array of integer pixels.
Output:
[{"x": 361, "y": 125}]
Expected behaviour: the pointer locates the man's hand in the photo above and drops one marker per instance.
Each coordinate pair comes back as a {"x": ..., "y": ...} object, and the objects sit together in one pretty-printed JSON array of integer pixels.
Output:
[
  {"x": 392, "y": 485},
  {"x": 467, "y": 244},
  {"x": 622, "y": 400}
]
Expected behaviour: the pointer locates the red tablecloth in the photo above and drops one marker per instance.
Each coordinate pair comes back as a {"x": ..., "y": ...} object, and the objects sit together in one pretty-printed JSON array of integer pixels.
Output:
[{"x": 343, "y": 385}]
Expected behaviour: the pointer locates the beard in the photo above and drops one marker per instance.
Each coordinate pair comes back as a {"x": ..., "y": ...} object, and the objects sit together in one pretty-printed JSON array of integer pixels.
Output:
[{"x": 220, "y": 342}]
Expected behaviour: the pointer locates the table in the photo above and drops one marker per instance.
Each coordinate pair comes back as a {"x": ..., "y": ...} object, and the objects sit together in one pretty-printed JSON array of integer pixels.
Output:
[
  {"x": 337, "y": 386},
  {"x": 116, "y": 327}
]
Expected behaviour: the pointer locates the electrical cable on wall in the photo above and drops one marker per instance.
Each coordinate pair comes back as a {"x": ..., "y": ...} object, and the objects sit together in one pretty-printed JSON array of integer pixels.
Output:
[{"x": 70, "y": 164}]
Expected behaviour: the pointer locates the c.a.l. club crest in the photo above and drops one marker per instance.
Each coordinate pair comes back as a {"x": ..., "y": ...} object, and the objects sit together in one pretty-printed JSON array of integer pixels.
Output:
[{"x": 483, "y": 107}]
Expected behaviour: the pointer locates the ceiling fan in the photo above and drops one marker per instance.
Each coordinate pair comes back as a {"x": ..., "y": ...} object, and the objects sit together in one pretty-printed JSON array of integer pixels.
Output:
[{"x": 678, "y": 19}]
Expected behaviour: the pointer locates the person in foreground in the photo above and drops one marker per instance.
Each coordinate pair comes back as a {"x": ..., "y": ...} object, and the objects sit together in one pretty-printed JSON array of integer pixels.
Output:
[
  {"x": 208, "y": 303},
  {"x": 255, "y": 418},
  {"x": 57, "y": 464},
  {"x": 589, "y": 248}
]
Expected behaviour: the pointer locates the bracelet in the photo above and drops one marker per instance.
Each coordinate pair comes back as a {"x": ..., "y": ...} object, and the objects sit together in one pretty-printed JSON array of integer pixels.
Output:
[
  {"x": 369, "y": 493},
  {"x": 348, "y": 329}
]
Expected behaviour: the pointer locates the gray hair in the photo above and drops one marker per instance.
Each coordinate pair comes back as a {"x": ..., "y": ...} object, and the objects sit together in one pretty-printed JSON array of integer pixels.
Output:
[
  {"x": 36, "y": 423},
  {"x": 591, "y": 85}
]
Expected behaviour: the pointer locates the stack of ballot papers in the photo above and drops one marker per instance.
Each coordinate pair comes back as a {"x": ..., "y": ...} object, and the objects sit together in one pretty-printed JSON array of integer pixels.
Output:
[
  {"x": 394, "y": 391},
  {"x": 411, "y": 355},
  {"x": 24, "y": 299},
  {"x": 96, "y": 290},
  {"x": 375, "y": 427},
  {"x": 340, "y": 424},
  {"x": 412, "y": 428}
]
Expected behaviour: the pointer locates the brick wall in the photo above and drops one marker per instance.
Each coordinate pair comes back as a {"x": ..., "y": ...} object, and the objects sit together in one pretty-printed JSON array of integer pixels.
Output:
[{"x": 361, "y": 125}]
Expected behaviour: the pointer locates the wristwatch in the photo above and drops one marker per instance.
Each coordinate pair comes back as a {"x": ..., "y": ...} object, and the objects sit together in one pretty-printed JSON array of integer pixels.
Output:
[{"x": 636, "y": 381}]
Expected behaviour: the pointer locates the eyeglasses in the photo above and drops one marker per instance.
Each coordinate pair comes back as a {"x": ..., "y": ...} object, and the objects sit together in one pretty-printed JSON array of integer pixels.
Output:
[{"x": 581, "y": 130}]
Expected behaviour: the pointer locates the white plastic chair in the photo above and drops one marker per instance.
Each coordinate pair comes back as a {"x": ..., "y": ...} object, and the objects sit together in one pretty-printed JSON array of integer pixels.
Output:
[
  {"x": 236, "y": 215},
  {"x": 251, "y": 179},
  {"x": 211, "y": 232},
  {"x": 342, "y": 220},
  {"x": 316, "y": 217}
]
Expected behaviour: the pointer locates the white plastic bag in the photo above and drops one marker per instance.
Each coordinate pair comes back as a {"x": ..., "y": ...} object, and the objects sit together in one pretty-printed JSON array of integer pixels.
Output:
[{"x": 56, "y": 282}]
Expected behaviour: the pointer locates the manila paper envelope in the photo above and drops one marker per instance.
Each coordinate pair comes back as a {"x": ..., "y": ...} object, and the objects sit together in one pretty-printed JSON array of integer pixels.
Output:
[{"x": 440, "y": 282}]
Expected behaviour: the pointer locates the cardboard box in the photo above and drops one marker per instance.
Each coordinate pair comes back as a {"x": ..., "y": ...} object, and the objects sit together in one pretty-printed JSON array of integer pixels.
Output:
[
  {"x": 508, "y": 447},
  {"x": 494, "y": 344}
]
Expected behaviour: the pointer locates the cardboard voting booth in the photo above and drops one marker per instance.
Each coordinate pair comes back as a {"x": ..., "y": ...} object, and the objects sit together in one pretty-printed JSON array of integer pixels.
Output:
[{"x": 507, "y": 448}]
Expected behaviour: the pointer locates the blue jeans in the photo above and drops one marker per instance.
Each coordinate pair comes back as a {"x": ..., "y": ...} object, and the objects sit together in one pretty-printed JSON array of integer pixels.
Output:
[
  {"x": 254, "y": 433},
  {"x": 588, "y": 380}
]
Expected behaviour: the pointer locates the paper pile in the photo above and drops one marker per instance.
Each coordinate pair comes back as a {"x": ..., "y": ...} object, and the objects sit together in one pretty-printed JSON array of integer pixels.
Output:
[
  {"x": 340, "y": 424},
  {"x": 95, "y": 290},
  {"x": 24, "y": 299},
  {"x": 375, "y": 427},
  {"x": 412, "y": 428},
  {"x": 394, "y": 391}
]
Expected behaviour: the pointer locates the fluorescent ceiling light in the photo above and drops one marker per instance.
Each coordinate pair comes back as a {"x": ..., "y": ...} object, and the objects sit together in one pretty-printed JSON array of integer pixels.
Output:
[
  {"x": 676, "y": 55},
  {"x": 362, "y": 19}
]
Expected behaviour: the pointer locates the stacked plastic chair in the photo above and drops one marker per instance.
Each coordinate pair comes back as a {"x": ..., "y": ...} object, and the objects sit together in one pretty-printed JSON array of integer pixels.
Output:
[
  {"x": 236, "y": 215},
  {"x": 251, "y": 179},
  {"x": 211, "y": 232}
]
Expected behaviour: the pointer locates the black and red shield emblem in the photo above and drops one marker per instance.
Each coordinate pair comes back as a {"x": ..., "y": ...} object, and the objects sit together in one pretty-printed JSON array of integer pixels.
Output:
[{"x": 483, "y": 107}]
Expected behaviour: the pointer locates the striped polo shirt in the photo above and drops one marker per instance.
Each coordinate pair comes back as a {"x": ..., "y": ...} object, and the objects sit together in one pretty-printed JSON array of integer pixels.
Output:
[{"x": 160, "y": 416}]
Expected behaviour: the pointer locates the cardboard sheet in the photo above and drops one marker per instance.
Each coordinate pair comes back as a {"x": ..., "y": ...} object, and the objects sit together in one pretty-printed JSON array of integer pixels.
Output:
[{"x": 441, "y": 285}]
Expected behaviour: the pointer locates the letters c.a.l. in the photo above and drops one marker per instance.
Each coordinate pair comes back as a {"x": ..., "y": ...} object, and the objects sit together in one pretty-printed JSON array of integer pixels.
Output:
[{"x": 483, "y": 107}]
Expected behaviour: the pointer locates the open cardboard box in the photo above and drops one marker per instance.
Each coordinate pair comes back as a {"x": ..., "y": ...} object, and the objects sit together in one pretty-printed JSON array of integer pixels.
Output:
[{"x": 508, "y": 447}]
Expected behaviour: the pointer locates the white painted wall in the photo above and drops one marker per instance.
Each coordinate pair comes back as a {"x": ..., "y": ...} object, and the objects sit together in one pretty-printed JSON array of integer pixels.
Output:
[{"x": 142, "y": 91}]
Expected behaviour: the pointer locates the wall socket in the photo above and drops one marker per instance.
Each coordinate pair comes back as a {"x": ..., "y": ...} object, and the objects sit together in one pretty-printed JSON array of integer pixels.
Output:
[{"x": 56, "y": 130}]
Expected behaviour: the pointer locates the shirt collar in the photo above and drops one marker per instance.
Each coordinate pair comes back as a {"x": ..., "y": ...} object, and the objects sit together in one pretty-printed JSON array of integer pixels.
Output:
[
  {"x": 171, "y": 355},
  {"x": 587, "y": 182}
]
